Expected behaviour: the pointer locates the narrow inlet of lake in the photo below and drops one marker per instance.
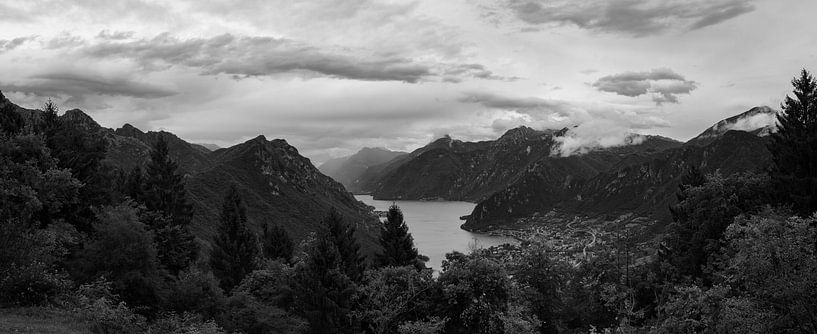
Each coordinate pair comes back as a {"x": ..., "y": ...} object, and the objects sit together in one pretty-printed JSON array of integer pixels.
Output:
[{"x": 435, "y": 226}]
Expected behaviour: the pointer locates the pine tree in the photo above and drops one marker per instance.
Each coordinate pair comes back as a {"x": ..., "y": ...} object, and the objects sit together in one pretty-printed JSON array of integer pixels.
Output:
[
  {"x": 693, "y": 177},
  {"x": 276, "y": 243},
  {"x": 235, "y": 247},
  {"x": 323, "y": 291},
  {"x": 50, "y": 120},
  {"x": 164, "y": 187},
  {"x": 397, "y": 242},
  {"x": 343, "y": 236},
  {"x": 82, "y": 151},
  {"x": 794, "y": 147}
]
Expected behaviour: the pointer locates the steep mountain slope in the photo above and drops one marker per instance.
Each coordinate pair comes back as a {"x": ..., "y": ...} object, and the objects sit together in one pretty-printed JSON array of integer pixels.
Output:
[
  {"x": 348, "y": 170},
  {"x": 454, "y": 170},
  {"x": 760, "y": 121},
  {"x": 279, "y": 186},
  {"x": 277, "y": 183},
  {"x": 644, "y": 186}
]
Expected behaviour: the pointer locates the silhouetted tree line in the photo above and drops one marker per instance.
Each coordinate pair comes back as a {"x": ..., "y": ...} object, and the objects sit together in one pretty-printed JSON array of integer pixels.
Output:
[{"x": 116, "y": 247}]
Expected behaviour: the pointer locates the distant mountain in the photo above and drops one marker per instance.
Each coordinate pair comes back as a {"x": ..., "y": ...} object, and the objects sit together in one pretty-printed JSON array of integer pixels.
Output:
[
  {"x": 209, "y": 147},
  {"x": 760, "y": 121},
  {"x": 644, "y": 185},
  {"x": 472, "y": 171},
  {"x": 348, "y": 170},
  {"x": 277, "y": 183}
]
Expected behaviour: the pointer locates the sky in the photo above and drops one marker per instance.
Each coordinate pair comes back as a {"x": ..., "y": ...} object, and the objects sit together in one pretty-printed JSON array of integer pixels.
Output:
[{"x": 332, "y": 77}]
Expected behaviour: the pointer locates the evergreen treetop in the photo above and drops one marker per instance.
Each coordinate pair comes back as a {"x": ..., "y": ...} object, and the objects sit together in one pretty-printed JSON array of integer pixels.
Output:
[
  {"x": 164, "y": 186},
  {"x": 794, "y": 147},
  {"x": 343, "y": 236},
  {"x": 397, "y": 242}
]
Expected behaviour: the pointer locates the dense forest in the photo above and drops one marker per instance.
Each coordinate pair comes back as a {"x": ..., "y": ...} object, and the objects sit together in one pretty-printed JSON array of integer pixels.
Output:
[{"x": 112, "y": 250}]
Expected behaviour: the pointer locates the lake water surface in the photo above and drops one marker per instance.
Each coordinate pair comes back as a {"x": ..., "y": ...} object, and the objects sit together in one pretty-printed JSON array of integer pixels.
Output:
[{"x": 435, "y": 226}]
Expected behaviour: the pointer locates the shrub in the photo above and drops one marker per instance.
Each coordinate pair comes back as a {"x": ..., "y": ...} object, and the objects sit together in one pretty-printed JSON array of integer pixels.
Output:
[
  {"x": 196, "y": 291},
  {"x": 187, "y": 323}
]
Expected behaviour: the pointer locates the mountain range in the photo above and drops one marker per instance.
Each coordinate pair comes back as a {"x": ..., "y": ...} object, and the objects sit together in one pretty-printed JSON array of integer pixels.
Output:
[
  {"x": 519, "y": 175},
  {"x": 277, "y": 184}
]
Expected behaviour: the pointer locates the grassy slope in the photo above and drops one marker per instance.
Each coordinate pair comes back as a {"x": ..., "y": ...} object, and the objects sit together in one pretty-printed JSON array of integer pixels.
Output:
[{"x": 40, "y": 320}]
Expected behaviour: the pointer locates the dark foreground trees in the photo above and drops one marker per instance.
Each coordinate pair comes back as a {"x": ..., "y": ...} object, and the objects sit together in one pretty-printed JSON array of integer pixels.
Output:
[
  {"x": 794, "y": 147},
  {"x": 235, "y": 247}
]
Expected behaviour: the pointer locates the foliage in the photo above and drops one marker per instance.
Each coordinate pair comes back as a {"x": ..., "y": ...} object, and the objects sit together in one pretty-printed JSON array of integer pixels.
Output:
[
  {"x": 794, "y": 147},
  {"x": 235, "y": 248},
  {"x": 269, "y": 285},
  {"x": 392, "y": 295},
  {"x": 543, "y": 277},
  {"x": 99, "y": 307},
  {"x": 33, "y": 189},
  {"x": 702, "y": 217},
  {"x": 771, "y": 263},
  {"x": 323, "y": 291},
  {"x": 277, "y": 244},
  {"x": 81, "y": 151},
  {"x": 124, "y": 252},
  {"x": 246, "y": 314},
  {"x": 164, "y": 186},
  {"x": 187, "y": 323},
  {"x": 475, "y": 295},
  {"x": 11, "y": 122},
  {"x": 397, "y": 243},
  {"x": 433, "y": 325},
  {"x": 176, "y": 247},
  {"x": 342, "y": 235},
  {"x": 692, "y": 309},
  {"x": 196, "y": 291},
  {"x": 28, "y": 275}
]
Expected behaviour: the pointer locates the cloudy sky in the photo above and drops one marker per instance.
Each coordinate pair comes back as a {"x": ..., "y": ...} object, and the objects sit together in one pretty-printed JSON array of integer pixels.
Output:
[{"x": 334, "y": 76}]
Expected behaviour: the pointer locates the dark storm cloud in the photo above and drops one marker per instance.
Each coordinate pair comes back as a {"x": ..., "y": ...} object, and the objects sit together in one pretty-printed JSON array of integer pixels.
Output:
[
  {"x": 266, "y": 56},
  {"x": 631, "y": 17},
  {"x": 77, "y": 87},
  {"x": 663, "y": 84}
]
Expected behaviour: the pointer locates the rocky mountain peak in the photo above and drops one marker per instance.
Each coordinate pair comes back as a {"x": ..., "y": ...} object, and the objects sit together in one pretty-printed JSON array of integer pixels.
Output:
[
  {"x": 760, "y": 121},
  {"x": 129, "y": 131},
  {"x": 81, "y": 119}
]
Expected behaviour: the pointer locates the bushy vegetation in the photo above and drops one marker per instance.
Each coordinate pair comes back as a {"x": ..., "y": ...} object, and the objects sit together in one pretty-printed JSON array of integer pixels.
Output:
[{"x": 739, "y": 257}]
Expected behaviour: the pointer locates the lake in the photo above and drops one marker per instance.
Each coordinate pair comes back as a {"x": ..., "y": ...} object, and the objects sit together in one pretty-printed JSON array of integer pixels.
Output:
[{"x": 435, "y": 226}]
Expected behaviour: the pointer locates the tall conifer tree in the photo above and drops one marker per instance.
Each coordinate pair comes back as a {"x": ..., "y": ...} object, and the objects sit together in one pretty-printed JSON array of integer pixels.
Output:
[
  {"x": 794, "y": 147},
  {"x": 276, "y": 243},
  {"x": 343, "y": 236},
  {"x": 235, "y": 247},
  {"x": 397, "y": 242},
  {"x": 324, "y": 292},
  {"x": 164, "y": 186}
]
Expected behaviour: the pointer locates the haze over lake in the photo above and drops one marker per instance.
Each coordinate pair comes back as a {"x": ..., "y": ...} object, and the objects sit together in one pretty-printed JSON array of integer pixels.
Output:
[{"x": 435, "y": 226}]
